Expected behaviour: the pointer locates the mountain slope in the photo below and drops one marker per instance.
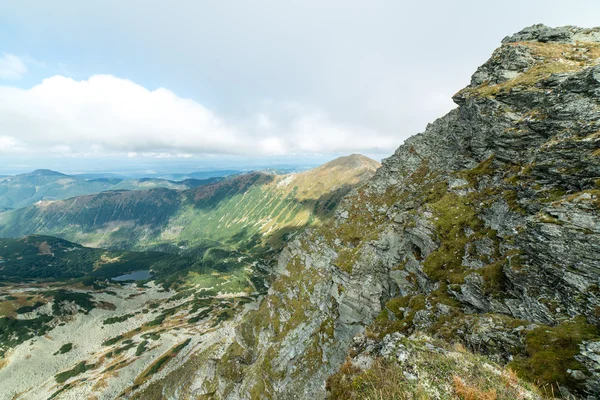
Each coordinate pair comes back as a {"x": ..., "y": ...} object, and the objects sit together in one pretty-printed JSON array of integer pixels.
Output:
[
  {"x": 48, "y": 258},
  {"x": 484, "y": 231},
  {"x": 23, "y": 190},
  {"x": 235, "y": 210}
]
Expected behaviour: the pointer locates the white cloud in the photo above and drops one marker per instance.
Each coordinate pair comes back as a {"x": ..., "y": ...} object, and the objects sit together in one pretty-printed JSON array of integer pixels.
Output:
[
  {"x": 11, "y": 67},
  {"x": 7, "y": 144},
  {"x": 105, "y": 115}
]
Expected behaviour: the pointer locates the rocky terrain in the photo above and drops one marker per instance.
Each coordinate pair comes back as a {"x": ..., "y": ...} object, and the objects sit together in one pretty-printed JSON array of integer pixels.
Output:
[{"x": 482, "y": 232}]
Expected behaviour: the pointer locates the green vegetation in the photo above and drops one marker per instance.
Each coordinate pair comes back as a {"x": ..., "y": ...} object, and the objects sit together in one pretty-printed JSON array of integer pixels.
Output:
[
  {"x": 141, "y": 348},
  {"x": 157, "y": 321},
  {"x": 65, "y": 348},
  {"x": 78, "y": 369},
  {"x": 151, "y": 336},
  {"x": 112, "y": 341},
  {"x": 50, "y": 258},
  {"x": 550, "y": 351},
  {"x": 83, "y": 300},
  {"x": 15, "y": 331},
  {"x": 114, "y": 320},
  {"x": 122, "y": 349},
  {"x": 27, "y": 309}
]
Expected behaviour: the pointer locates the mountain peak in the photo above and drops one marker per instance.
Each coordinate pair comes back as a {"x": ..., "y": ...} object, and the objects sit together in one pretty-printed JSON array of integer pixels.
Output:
[
  {"x": 352, "y": 161},
  {"x": 563, "y": 34},
  {"x": 45, "y": 172},
  {"x": 535, "y": 57}
]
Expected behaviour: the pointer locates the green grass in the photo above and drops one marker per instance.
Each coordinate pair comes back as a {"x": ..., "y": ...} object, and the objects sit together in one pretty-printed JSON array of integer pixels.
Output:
[{"x": 551, "y": 351}]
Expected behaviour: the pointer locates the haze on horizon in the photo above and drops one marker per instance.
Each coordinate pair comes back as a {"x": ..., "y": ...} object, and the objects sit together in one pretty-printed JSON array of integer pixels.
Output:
[{"x": 144, "y": 84}]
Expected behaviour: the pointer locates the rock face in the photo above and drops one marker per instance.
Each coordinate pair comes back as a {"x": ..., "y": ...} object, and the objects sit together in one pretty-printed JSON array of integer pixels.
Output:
[{"x": 483, "y": 230}]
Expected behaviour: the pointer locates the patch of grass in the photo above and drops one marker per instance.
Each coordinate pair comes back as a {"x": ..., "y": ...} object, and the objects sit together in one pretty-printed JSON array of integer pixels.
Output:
[
  {"x": 550, "y": 352},
  {"x": 468, "y": 392},
  {"x": 485, "y": 168},
  {"x": 151, "y": 336},
  {"x": 494, "y": 277},
  {"x": 453, "y": 214}
]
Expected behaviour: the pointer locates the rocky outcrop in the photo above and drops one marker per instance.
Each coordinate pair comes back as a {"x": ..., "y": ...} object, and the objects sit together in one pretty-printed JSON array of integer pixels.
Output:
[{"x": 483, "y": 230}]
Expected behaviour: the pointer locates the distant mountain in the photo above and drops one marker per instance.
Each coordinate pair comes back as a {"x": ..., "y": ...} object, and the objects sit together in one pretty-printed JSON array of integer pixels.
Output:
[
  {"x": 200, "y": 174},
  {"x": 232, "y": 213},
  {"x": 22, "y": 190},
  {"x": 45, "y": 172}
]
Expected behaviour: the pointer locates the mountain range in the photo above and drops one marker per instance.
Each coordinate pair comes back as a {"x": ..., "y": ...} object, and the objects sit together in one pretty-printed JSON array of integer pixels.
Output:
[
  {"x": 46, "y": 185},
  {"x": 231, "y": 212}
]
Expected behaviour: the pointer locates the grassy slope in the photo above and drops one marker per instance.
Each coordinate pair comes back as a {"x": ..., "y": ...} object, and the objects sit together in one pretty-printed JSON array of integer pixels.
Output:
[{"x": 229, "y": 213}]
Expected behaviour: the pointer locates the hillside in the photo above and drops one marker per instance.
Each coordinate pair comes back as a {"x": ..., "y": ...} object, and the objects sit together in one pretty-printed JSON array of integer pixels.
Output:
[
  {"x": 235, "y": 212},
  {"x": 483, "y": 232},
  {"x": 45, "y": 185},
  {"x": 47, "y": 258}
]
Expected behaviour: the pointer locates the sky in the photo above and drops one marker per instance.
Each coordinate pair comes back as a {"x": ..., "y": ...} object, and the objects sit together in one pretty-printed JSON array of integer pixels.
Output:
[{"x": 193, "y": 84}]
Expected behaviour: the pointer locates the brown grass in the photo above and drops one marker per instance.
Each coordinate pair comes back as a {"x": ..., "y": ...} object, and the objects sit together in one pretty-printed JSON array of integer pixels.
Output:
[{"x": 467, "y": 392}]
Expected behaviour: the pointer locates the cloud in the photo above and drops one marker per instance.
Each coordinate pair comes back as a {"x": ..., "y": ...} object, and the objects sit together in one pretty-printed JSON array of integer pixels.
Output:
[
  {"x": 7, "y": 144},
  {"x": 105, "y": 115},
  {"x": 11, "y": 67}
]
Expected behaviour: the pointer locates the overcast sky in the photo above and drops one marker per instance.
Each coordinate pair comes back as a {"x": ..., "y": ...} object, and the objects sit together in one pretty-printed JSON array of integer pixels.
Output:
[{"x": 88, "y": 85}]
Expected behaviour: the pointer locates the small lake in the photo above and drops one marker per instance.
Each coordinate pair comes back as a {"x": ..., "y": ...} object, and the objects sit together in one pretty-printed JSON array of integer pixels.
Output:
[{"x": 134, "y": 276}]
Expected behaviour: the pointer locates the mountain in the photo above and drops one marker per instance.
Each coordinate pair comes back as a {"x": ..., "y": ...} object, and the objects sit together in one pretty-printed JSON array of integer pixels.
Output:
[
  {"x": 232, "y": 212},
  {"x": 200, "y": 174},
  {"x": 22, "y": 190},
  {"x": 481, "y": 234}
]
